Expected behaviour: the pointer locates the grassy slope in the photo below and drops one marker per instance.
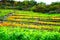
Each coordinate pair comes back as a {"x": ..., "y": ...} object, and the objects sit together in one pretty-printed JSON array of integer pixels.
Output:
[
  {"x": 6, "y": 11},
  {"x": 29, "y": 13},
  {"x": 17, "y": 33}
]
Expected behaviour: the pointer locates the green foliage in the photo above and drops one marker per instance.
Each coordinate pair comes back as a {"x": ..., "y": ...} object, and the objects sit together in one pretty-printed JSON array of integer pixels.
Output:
[
  {"x": 17, "y": 33},
  {"x": 31, "y": 5},
  {"x": 41, "y": 7}
]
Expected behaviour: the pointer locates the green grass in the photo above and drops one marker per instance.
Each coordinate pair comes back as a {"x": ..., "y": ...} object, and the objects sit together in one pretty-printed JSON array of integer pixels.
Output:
[
  {"x": 30, "y": 13},
  {"x": 17, "y": 33},
  {"x": 4, "y": 12}
]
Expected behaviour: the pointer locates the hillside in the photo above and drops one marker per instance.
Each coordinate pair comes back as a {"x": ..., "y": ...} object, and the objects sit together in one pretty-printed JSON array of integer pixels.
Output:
[{"x": 28, "y": 25}]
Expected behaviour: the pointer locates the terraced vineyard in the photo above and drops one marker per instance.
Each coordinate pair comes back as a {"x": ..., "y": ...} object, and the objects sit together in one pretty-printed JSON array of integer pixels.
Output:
[{"x": 28, "y": 21}]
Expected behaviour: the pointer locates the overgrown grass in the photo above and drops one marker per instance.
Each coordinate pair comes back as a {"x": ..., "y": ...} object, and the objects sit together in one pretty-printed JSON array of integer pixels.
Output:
[{"x": 17, "y": 33}]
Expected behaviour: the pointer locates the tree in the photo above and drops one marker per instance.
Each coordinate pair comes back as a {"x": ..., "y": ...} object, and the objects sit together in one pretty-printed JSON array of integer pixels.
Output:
[
  {"x": 55, "y": 6},
  {"x": 26, "y": 5},
  {"x": 40, "y": 7}
]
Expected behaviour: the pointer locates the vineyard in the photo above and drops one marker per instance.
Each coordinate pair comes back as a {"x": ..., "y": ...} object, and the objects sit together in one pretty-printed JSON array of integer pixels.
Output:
[{"x": 25, "y": 25}]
